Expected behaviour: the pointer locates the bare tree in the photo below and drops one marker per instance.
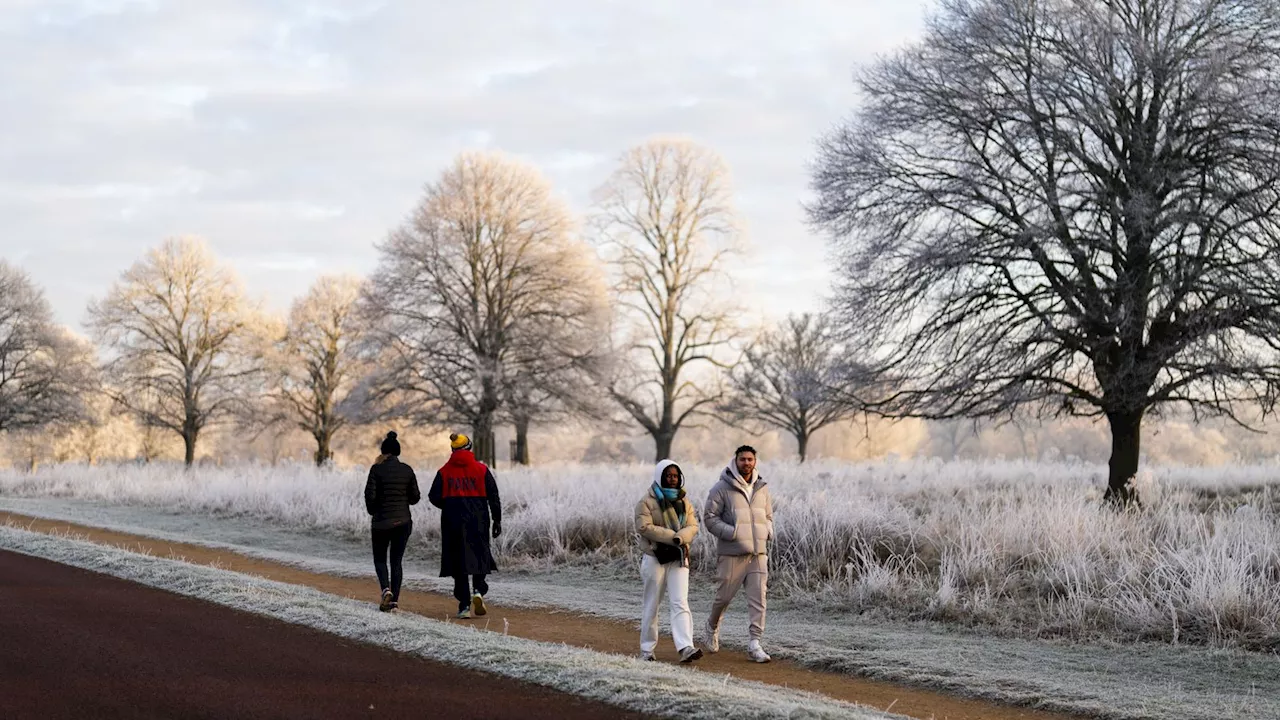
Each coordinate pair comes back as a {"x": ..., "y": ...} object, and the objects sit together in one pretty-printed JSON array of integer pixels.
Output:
[
  {"x": 182, "y": 339},
  {"x": 948, "y": 438},
  {"x": 318, "y": 361},
  {"x": 150, "y": 444},
  {"x": 1068, "y": 206},
  {"x": 102, "y": 432},
  {"x": 487, "y": 261},
  {"x": 558, "y": 388},
  {"x": 667, "y": 215},
  {"x": 792, "y": 379},
  {"x": 44, "y": 370},
  {"x": 553, "y": 367}
]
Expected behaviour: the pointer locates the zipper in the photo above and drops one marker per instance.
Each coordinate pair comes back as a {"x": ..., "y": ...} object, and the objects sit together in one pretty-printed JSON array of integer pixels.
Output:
[
  {"x": 754, "y": 543},
  {"x": 751, "y": 509}
]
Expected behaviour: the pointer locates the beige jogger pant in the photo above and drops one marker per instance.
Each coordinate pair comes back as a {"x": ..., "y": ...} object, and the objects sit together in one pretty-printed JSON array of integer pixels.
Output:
[{"x": 734, "y": 571}]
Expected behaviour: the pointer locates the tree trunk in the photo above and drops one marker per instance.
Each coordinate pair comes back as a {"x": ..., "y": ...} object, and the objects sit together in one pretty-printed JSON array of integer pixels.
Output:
[
  {"x": 662, "y": 441},
  {"x": 482, "y": 442},
  {"x": 1126, "y": 435},
  {"x": 488, "y": 446},
  {"x": 802, "y": 443},
  {"x": 148, "y": 445},
  {"x": 189, "y": 444},
  {"x": 323, "y": 449},
  {"x": 522, "y": 443},
  {"x": 1022, "y": 440}
]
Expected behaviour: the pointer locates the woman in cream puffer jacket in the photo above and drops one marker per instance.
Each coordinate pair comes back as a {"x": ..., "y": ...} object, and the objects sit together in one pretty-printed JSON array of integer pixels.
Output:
[{"x": 666, "y": 523}]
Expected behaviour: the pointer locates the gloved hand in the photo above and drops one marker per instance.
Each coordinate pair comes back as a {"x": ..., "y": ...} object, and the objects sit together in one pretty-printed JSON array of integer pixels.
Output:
[
  {"x": 677, "y": 541},
  {"x": 497, "y": 529}
]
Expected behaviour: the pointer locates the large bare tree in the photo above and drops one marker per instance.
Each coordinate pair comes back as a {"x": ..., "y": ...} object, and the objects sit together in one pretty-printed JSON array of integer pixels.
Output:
[
  {"x": 487, "y": 261},
  {"x": 666, "y": 216},
  {"x": 793, "y": 378},
  {"x": 181, "y": 338},
  {"x": 1067, "y": 205},
  {"x": 318, "y": 361},
  {"x": 45, "y": 372}
]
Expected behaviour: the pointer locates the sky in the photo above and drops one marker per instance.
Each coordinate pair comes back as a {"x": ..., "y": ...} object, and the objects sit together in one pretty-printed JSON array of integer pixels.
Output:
[{"x": 293, "y": 136}]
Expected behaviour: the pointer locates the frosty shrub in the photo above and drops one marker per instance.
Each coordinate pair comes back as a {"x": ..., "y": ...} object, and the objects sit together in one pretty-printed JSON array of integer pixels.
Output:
[{"x": 1018, "y": 548}]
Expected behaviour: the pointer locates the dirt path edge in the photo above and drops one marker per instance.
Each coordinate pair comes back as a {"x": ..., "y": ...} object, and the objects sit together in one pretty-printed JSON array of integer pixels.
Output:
[{"x": 559, "y": 626}]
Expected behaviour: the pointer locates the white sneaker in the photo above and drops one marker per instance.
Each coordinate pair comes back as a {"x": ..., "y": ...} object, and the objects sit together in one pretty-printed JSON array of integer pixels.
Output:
[
  {"x": 387, "y": 602},
  {"x": 647, "y": 657},
  {"x": 464, "y": 614},
  {"x": 757, "y": 653},
  {"x": 477, "y": 605},
  {"x": 711, "y": 638}
]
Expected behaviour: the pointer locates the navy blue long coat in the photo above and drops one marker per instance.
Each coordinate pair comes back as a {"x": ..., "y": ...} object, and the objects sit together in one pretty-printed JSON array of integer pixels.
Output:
[{"x": 467, "y": 495}]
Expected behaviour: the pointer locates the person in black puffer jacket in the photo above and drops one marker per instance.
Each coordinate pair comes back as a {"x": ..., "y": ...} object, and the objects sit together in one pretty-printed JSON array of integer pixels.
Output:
[{"x": 391, "y": 489}]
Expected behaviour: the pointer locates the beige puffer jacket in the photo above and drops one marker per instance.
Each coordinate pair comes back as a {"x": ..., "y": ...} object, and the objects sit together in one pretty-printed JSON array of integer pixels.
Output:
[
  {"x": 741, "y": 526},
  {"x": 650, "y": 525}
]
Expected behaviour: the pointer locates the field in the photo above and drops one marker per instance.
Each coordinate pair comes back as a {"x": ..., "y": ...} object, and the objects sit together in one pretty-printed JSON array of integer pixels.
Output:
[{"x": 1015, "y": 549}]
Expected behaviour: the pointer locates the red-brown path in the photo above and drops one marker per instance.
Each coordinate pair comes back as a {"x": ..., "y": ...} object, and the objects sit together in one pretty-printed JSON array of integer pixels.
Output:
[{"x": 76, "y": 644}]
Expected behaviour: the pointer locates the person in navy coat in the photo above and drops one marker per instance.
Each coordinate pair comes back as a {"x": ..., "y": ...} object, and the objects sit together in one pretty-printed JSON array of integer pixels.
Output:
[{"x": 470, "y": 511}]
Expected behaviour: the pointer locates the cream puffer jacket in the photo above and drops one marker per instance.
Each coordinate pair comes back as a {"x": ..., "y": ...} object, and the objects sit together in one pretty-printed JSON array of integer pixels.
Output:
[
  {"x": 650, "y": 525},
  {"x": 741, "y": 518}
]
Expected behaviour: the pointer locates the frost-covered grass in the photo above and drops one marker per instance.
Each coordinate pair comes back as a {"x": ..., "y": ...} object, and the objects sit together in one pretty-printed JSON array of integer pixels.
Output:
[
  {"x": 1024, "y": 549},
  {"x": 655, "y": 688},
  {"x": 1130, "y": 681}
]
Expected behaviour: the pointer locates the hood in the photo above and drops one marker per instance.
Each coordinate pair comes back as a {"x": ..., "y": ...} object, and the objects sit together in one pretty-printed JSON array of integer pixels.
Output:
[
  {"x": 661, "y": 467},
  {"x": 462, "y": 458},
  {"x": 730, "y": 475}
]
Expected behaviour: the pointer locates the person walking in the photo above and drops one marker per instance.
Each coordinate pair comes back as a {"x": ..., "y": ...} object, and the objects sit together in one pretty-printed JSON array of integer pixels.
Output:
[
  {"x": 739, "y": 513},
  {"x": 666, "y": 523},
  {"x": 390, "y": 490},
  {"x": 467, "y": 495}
]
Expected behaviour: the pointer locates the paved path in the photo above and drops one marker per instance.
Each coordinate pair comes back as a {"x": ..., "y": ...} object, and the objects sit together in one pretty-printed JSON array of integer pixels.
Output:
[
  {"x": 559, "y": 626},
  {"x": 77, "y": 644}
]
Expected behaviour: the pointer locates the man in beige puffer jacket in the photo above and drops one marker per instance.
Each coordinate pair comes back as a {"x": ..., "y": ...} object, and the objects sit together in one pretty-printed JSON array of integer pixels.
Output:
[{"x": 739, "y": 512}]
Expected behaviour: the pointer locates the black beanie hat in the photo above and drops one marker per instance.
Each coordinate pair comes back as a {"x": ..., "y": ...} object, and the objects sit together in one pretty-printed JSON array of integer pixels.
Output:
[{"x": 391, "y": 446}]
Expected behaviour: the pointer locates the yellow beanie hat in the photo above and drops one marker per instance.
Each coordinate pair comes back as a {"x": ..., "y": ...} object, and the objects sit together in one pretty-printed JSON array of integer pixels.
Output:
[{"x": 458, "y": 441}]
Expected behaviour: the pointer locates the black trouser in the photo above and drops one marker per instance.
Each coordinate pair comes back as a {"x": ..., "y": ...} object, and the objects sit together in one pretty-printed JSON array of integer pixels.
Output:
[
  {"x": 395, "y": 539},
  {"x": 463, "y": 593}
]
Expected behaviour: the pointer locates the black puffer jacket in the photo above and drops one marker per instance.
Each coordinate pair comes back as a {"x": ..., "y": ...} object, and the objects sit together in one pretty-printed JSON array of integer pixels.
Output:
[{"x": 391, "y": 489}]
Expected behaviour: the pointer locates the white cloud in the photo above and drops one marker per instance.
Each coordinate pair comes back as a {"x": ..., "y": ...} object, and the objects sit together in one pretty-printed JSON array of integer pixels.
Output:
[{"x": 309, "y": 128}]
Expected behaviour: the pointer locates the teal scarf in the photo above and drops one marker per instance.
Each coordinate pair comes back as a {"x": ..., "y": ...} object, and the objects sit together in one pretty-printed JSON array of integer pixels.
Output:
[{"x": 672, "y": 505}]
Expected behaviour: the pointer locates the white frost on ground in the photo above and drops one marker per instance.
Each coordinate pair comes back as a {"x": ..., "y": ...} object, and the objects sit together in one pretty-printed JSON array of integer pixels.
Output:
[
  {"x": 655, "y": 688},
  {"x": 1019, "y": 548},
  {"x": 1110, "y": 681}
]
